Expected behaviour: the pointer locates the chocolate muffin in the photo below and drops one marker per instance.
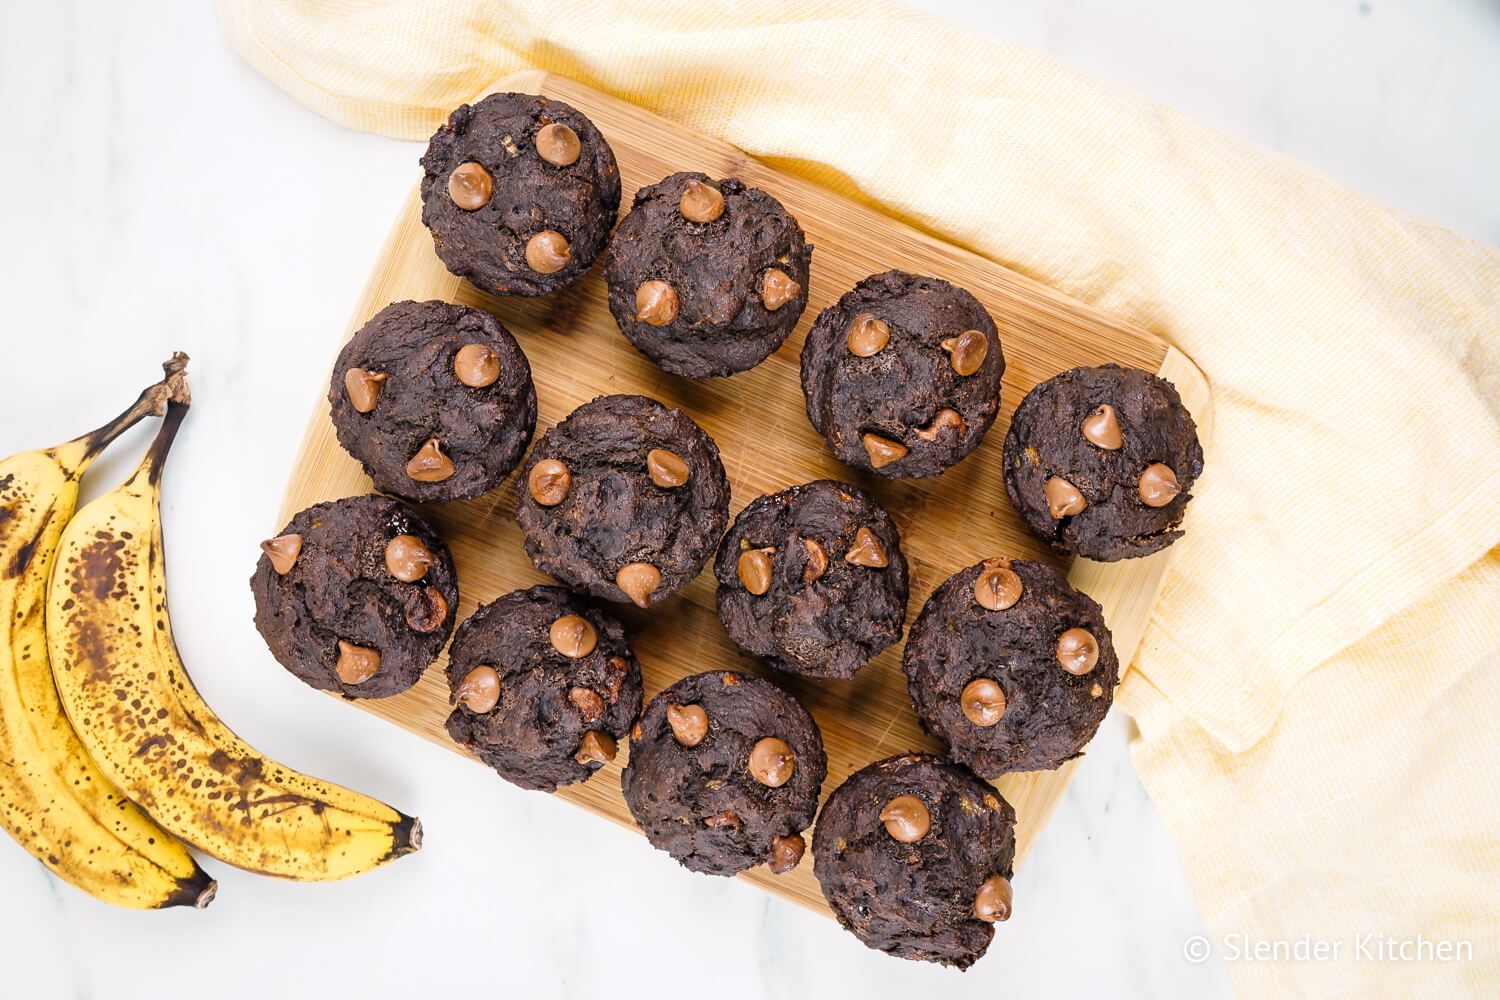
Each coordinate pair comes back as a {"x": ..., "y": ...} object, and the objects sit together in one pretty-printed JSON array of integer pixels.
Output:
[
  {"x": 435, "y": 400},
  {"x": 914, "y": 855},
  {"x": 1099, "y": 462},
  {"x": 724, "y": 774},
  {"x": 707, "y": 277},
  {"x": 902, "y": 375},
  {"x": 625, "y": 500},
  {"x": 1011, "y": 666},
  {"x": 520, "y": 193},
  {"x": 544, "y": 685},
  {"x": 355, "y": 596},
  {"x": 812, "y": 579}
]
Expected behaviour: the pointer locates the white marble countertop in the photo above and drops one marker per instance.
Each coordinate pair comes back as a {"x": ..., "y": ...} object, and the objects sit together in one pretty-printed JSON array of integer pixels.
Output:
[{"x": 163, "y": 196}]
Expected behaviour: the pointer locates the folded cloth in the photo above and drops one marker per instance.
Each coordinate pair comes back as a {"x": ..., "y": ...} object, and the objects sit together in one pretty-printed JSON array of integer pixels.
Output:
[{"x": 1316, "y": 692}]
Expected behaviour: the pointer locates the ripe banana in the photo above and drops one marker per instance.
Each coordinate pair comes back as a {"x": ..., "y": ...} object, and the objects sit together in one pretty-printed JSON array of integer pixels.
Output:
[
  {"x": 53, "y": 800},
  {"x": 129, "y": 696}
]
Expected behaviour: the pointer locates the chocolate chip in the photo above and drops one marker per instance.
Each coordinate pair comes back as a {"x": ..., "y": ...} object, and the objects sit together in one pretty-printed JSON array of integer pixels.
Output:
[
  {"x": 476, "y": 365},
  {"x": 428, "y": 611},
  {"x": 725, "y": 819},
  {"x": 573, "y": 636},
  {"x": 558, "y": 144},
  {"x": 1158, "y": 486},
  {"x": 867, "y": 336},
  {"x": 656, "y": 303},
  {"x": 429, "y": 464},
  {"x": 906, "y": 818},
  {"x": 1102, "y": 428},
  {"x": 363, "y": 388},
  {"x": 983, "y": 702},
  {"x": 1063, "y": 498},
  {"x": 883, "y": 451},
  {"x": 777, "y": 288},
  {"x": 1077, "y": 651},
  {"x": 997, "y": 586},
  {"x": 993, "y": 900},
  {"x": 755, "y": 569},
  {"x": 356, "y": 664},
  {"x": 943, "y": 420},
  {"x": 786, "y": 853},
  {"x": 407, "y": 558},
  {"x": 548, "y": 252},
  {"x": 689, "y": 723},
  {"x": 470, "y": 186},
  {"x": 283, "y": 551},
  {"x": 866, "y": 551},
  {"x": 590, "y": 706},
  {"x": 549, "y": 482},
  {"x": 771, "y": 762},
  {"x": 596, "y": 748},
  {"x": 701, "y": 202},
  {"x": 666, "y": 469},
  {"x": 639, "y": 580},
  {"x": 817, "y": 560},
  {"x": 479, "y": 691},
  {"x": 966, "y": 352}
]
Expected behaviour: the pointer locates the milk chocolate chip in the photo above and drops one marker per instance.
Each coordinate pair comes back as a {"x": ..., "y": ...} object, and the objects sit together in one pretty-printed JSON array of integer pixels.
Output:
[
  {"x": 549, "y": 482},
  {"x": 363, "y": 388},
  {"x": 573, "y": 636},
  {"x": 906, "y": 818},
  {"x": 1158, "y": 486},
  {"x": 942, "y": 421},
  {"x": 596, "y": 748},
  {"x": 407, "y": 558},
  {"x": 866, "y": 551},
  {"x": 356, "y": 664},
  {"x": 777, "y": 288},
  {"x": 997, "y": 586},
  {"x": 639, "y": 580},
  {"x": 590, "y": 706},
  {"x": 429, "y": 464},
  {"x": 1063, "y": 498},
  {"x": 992, "y": 901},
  {"x": 558, "y": 144},
  {"x": 983, "y": 702},
  {"x": 883, "y": 451},
  {"x": 470, "y": 186},
  {"x": 868, "y": 336},
  {"x": 479, "y": 691},
  {"x": 966, "y": 352},
  {"x": 701, "y": 202},
  {"x": 283, "y": 551},
  {"x": 548, "y": 252},
  {"x": 786, "y": 853},
  {"x": 1077, "y": 651},
  {"x": 817, "y": 560},
  {"x": 771, "y": 762},
  {"x": 1102, "y": 428},
  {"x": 476, "y": 365},
  {"x": 656, "y": 303},
  {"x": 689, "y": 723},
  {"x": 667, "y": 470},
  {"x": 754, "y": 569}
]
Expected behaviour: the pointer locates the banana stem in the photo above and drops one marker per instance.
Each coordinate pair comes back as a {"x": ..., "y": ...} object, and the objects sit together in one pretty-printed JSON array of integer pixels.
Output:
[
  {"x": 156, "y": 458},
  {"x": 153, "y": 402}
]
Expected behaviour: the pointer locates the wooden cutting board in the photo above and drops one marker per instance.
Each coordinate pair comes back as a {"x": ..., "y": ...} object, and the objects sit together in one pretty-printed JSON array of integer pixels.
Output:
[{"x": 758, "y": 419}]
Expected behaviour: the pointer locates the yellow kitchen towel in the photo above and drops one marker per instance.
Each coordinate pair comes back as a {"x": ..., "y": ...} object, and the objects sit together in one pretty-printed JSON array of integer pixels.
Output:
[{"x": 1317, "y": 692}]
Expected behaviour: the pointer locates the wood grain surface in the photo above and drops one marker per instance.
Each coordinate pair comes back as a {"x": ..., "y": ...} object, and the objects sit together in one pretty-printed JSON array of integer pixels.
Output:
[{"x": 760, "y": 424}]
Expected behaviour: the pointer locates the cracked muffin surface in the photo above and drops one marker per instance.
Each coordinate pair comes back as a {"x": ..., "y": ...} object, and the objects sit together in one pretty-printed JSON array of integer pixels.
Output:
[
  {"x": 625, "y": 500},
  {"x": 1100, "y": 462},
  {"x": 724, "y": 773},
  {"x": 532, "y": 675},
  {"x": 707, "y": 277},
  {"x": 356, "y": 596}
]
